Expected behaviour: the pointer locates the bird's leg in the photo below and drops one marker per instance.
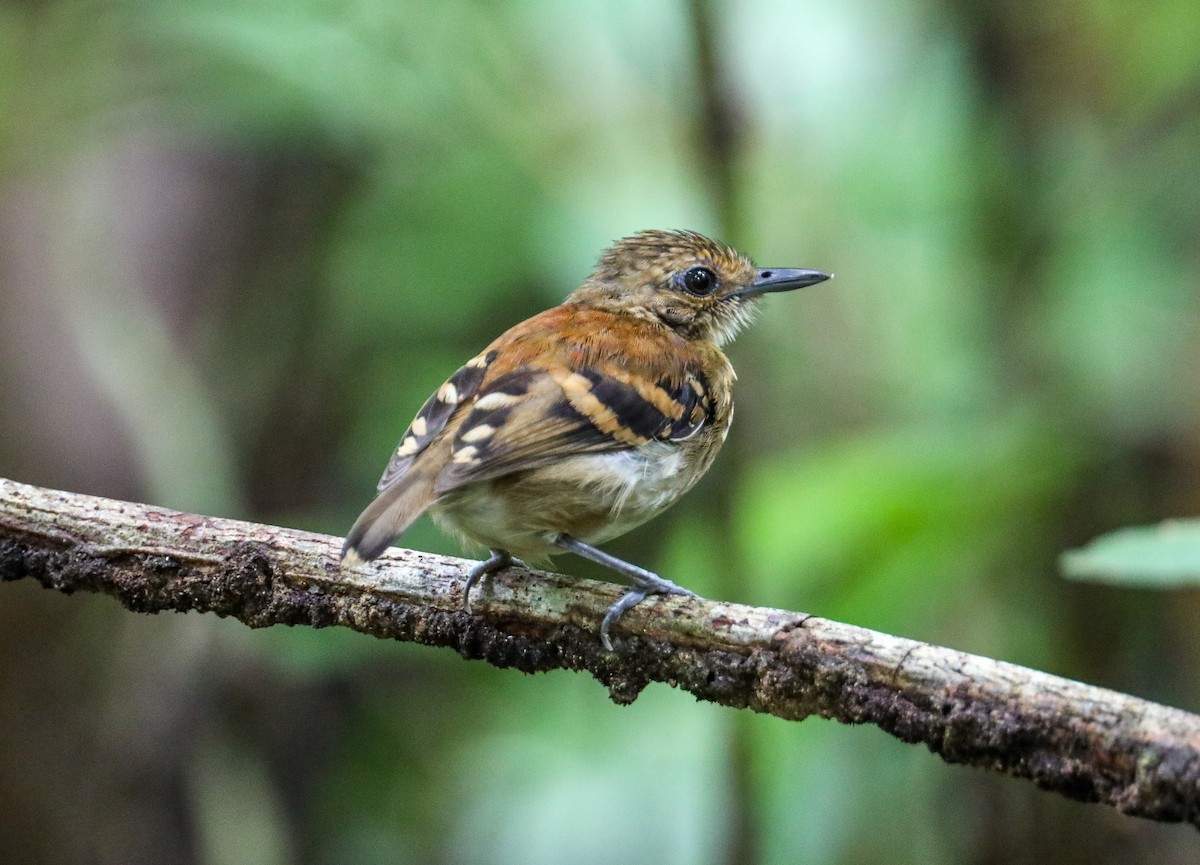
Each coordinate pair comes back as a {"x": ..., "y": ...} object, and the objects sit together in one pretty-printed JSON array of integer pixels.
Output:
[
  {"x": 645, "y": 582},
  {"x": 497, "y": 561}
]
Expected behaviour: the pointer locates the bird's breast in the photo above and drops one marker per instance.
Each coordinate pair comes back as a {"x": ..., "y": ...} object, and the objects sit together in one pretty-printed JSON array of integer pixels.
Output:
[
  {"x": 594, "y": 497},
  {"x": 638, "y": 483}
]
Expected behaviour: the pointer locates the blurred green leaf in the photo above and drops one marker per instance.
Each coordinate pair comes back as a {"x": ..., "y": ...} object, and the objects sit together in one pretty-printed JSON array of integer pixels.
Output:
[
  {"x": 901, "y": 515},
  {"x": 1162, "y": 556}
]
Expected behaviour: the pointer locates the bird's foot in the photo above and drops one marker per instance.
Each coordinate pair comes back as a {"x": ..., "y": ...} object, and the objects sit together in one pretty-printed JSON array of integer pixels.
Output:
[
  {"x": 497, "y": 561},
  {"x": 635, "y": 596},
  {"x": 645, "y": 582}
]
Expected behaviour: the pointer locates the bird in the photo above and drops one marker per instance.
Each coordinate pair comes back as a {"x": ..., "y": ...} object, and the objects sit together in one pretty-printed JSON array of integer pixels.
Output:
[{"x": 584, "y": 421}]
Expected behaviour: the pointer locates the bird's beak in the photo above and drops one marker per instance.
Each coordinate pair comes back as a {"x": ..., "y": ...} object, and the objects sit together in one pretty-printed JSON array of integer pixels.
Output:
[{"x": 781, "y": 279}]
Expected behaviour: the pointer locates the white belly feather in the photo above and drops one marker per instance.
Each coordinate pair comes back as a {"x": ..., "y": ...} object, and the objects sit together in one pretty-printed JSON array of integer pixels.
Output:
[{"x": 594, "y": 497}]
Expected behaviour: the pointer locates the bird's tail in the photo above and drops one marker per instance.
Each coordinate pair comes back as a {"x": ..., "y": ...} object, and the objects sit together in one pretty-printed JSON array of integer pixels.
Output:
[{"x": 386, "y": 518}]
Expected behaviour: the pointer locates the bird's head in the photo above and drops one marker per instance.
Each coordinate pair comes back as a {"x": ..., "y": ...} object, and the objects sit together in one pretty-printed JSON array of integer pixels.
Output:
[{"x": 699, "y": 288}]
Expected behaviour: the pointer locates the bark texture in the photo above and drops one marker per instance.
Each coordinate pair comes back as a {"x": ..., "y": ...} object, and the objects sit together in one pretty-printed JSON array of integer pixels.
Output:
[{"x": 1084, "y": 742}]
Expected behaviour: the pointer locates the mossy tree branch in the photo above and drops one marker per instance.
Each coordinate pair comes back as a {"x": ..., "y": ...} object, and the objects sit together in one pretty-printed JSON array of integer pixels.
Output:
[{"x": 1084, "y": 742}]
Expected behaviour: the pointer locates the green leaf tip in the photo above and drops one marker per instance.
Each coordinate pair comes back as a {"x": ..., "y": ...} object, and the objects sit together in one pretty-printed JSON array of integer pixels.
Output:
[{"x": 1162, "y": 556}]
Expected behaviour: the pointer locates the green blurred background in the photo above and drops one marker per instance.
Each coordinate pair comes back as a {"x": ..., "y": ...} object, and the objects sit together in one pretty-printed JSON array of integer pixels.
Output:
[{"x": 240, "y": 242}]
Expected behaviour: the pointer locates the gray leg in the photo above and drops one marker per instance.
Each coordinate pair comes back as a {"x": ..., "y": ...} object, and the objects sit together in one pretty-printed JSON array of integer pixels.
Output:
[
  {"x": 645, "y": 582},
  {"x": 498, "y": 561}
]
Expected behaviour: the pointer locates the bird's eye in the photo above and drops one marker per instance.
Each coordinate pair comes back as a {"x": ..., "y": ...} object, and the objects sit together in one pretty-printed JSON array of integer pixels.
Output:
[{"x": 700, "y": 280}]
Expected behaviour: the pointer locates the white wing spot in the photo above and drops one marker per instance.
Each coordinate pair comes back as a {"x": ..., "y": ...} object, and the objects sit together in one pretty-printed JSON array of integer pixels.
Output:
[
  {"x": 465, "y": 455},
  {"x": 478, "y": 362},
  {"x": 448, "y": 393},
  {"x": 476, "y": 433},
  {"x": 418, "y": 427},
  {"x": 408, "y": 447},
  {"x": 495, "y": 399}
]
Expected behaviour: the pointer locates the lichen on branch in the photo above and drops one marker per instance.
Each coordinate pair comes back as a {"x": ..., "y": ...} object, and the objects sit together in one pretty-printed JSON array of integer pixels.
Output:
[{"x": 1084, "y": 742}]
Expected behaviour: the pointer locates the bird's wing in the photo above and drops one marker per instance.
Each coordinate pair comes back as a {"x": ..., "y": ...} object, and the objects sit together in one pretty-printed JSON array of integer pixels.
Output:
[
  {"x": 534, "y": 415},
  {"x": 431, "y": 420}
]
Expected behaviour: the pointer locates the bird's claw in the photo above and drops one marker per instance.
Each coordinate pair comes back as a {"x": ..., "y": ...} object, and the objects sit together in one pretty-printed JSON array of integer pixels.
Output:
[
  {"x": 631, "y": 599},
  {"x": 497, "y": 561}
]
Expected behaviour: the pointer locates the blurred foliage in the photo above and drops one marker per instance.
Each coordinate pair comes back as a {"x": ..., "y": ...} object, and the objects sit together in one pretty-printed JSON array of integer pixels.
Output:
[
  {"x": 241, "y": 242},
  {"x": 1166, "y": 555}
]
